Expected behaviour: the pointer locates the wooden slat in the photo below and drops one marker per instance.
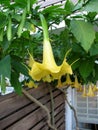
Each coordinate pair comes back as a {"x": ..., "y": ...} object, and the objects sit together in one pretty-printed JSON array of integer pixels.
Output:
[
  {"x": 17, "y": 102},
  {"x": 62, "y": 126},
  {"x": 59, "y": 115},
  {"x": 43, "y": 122},
  {"x": 33, "y": 117},
  {"x": 58, "y": 123},
  {"x": 18, "y": 112},
  {"x": 24, "y": 111}
]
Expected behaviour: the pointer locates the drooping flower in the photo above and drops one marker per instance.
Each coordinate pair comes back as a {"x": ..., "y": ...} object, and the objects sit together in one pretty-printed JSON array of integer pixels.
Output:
[
  {"x": 76, "y": 84},
  {"x": 31, "y": 84},
  {"x": 84, "y": 94},
  {"x": 90, "y": 91},
  {"x": 68, "y": 81},
  {"x": 48, "y": 70},
  {"x": 95, "y": 89}
]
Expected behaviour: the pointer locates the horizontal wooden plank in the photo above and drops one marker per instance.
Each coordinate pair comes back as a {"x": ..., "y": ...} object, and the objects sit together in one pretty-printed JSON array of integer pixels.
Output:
[
  {"x": 59, "y": 115},
  {"x": 62, "y": 126},
  {"x": 34, "y": 117},
  {"x": 24, "y": 111},
  {"x": 43, "y": 122},
  {"x": 60, "y": 122},
  {"x": 12, "y": 104}
]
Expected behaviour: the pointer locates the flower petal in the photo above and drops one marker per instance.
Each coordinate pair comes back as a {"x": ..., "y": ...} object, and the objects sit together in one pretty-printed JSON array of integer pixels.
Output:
[{"x": 38, "y": 71}]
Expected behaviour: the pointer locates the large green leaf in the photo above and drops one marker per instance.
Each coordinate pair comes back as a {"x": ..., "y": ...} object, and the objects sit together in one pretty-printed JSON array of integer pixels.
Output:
[
  {"x": 84, "y": 33},
  {"x": 94, "y": 49},
  {"x": 5, "y": 67},
  {"x": 15, "y": 83},
  {"x": 3, "y": 84},
  {"x": 96, "y": 72},
  {"x": 3, "y": 20},
  {"x": 23, "y": 3},
  {"x": 85, "y": 68},
  {"x": 69, "y": 6},
  {"x": 5, "y": 2},
  {"x": 19, "y": 67},
  {"x": 91, "y": 6}
]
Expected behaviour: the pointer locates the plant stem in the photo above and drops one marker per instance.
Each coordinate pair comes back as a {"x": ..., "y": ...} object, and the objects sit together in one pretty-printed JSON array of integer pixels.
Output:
[
  {"x": 52, "y": 107},
  {"x": 72, "y": 108},
  {"x": 42, "y": 106}
]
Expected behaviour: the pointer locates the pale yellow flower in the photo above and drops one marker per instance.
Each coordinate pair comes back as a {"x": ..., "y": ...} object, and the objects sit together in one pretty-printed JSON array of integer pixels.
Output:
[
  {"x": 76, "y": 84},
  {"x": 68, "y": 80},
  {"x": 95, "y": 89},
  {"x": 90, "y": 91},
  {"x": 31, "y": 84},
  {"x": 84, "y": 94},
  {"x": 48, "y": 70}
]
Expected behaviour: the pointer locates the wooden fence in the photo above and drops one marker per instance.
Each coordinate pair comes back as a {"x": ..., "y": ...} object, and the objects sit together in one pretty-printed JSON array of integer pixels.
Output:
[{"x": 19, "y": 113}]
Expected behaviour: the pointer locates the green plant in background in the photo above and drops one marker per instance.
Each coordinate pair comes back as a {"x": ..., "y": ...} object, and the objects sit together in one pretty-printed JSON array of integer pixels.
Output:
[{"x": 21, "y": 31}]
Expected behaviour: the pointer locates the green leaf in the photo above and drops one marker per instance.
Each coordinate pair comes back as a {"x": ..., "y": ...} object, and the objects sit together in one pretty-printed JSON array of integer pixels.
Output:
[
  {"x": 5, "y": 66},
  {"x": 96, "y": 72},
  {"x": 69, "y": 6},
  {"x": 5, "y": 44},
  {"x": 5, "y": 2},
  {"x": 3, "y": 84},
  {"x": 54, "y": 10},
  {"x": 91, "y": 6},
  {"x": 83, "y": 32},
  {"x": 86, "y": 67},
  {"x": 15, "y": 83},
  {"x": 79, "y": 5},
  {"x": 21, "y": 3},
  {"x": 19, "y": 67},
  {"x": 94, "y": 49},
  {"x": 3, "y": 20},
  {"x": 33, "y": 1}
]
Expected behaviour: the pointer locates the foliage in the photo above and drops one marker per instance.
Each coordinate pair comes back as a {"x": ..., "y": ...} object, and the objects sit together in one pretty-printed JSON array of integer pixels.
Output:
[{"x": 21, "y": 31}]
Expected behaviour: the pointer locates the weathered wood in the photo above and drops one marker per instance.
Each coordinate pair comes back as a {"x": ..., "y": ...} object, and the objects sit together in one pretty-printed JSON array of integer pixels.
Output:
[
  {"x": 43, "y": 122},
  {"x": 18, "y": 112},
  {"x": 17, "y": 102},
  {"x": 24, "y": 111}
]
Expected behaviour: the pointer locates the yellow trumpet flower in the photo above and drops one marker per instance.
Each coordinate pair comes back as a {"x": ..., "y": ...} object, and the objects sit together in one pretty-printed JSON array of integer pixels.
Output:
[
  {"x": 84, "y": 94},
  {"x": 31, "y": 84},
  {"x": 95, "y": 89},
  {"x": 76, "y": 84},
  {"x": 80, "y": 89},
  {"x": 90, "y": 91},
  {"x": 68, "y": 80},
  {"x": 59, "y": 84},
  {"x": 48, "y": 70}
]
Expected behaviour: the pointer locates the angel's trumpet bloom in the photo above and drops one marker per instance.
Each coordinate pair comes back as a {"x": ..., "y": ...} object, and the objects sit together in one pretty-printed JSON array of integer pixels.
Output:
[
  {"x": 48, "y": 70},
  {"x": 90, "y": 92},
  {"x": 76, "y": 84},
  {"x": 84, "y": 94},
  {"x": 59, "y": 84},
  {"x": 68, "y": 80},
  {"x": 31, "y": 84},
  {"x": 95, "y": 89}
]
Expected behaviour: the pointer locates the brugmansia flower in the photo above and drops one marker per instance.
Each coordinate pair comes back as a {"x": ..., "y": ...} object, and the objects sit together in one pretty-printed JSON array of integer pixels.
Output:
[
  {"x": 95, "y": 88},
  {"x": 31, "y": 84},
  {"x": 48, "y": 70},
  {"x": 90, "y": 91},
  {"x": 68, "y": 80},
  {"x": 76, "y": 84},
  {"x": 84, "y": 94}
]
